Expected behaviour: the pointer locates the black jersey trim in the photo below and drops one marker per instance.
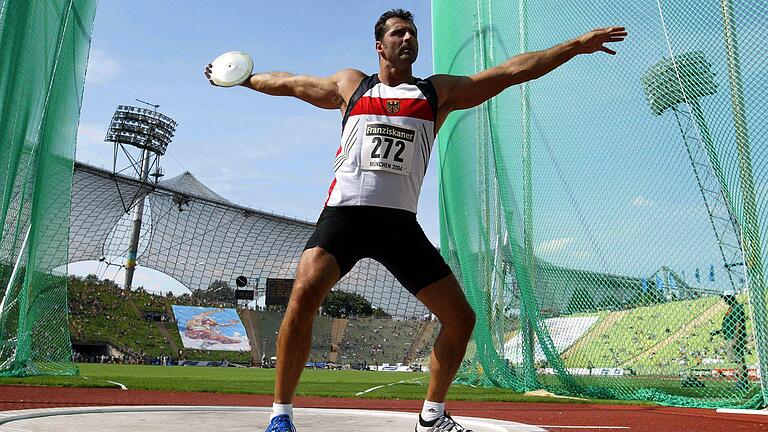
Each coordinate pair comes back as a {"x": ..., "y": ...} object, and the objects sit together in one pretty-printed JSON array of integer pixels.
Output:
[
  {"x": 428, "y": 89},
  {"x": 366, "y": 84}
]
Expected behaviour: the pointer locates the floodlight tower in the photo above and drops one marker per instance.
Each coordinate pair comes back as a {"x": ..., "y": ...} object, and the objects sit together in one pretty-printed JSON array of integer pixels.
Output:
[
  {"x": 150, "y": 132},
  {"x": 685, "y": 79}
]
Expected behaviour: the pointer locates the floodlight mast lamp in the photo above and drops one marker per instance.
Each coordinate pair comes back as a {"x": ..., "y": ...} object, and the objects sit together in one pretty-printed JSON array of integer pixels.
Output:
[{"x": 151, "y": 132}]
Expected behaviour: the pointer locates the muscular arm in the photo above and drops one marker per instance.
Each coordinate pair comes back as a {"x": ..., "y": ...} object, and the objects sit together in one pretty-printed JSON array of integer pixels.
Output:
[
  {"x": 321, "y": 92},
  {"x": 462, "y": 92},
  {"x": 329, "y": 92}
]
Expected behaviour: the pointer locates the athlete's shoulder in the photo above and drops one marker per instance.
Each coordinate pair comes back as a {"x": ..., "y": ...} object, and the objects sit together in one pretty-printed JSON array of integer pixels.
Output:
[
  {"x": 347, "y": 80},
  {"x": 443, "y": 81},
  {"x": 443, "y": 84},
  {"x": 351, "y": 73},
  {"x": 438, "y": 77},
  {"x": 349, "y": 76}
]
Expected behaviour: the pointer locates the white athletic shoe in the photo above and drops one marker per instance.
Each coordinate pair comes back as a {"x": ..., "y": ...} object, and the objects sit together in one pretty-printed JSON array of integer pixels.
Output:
[{"x": 444, "y": 423}]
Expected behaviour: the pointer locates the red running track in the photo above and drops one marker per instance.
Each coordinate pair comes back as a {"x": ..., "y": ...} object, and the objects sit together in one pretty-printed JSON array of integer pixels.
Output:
[{"x": 635, "y": 418}]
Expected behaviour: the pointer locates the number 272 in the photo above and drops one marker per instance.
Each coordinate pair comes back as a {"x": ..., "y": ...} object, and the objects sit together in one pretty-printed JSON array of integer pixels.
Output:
[{"x": 388, "y": 147}]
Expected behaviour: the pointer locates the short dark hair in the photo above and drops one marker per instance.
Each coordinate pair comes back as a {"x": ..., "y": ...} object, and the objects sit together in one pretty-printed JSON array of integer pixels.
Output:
[{"x": 378, "y": 29}]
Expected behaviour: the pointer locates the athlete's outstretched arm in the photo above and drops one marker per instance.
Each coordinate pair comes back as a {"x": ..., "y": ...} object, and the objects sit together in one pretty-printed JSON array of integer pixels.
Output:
[
  {"x": 462, "y": 92},
  {"x": 328, "y": 92},
  {"x": 321, "y": 92}
]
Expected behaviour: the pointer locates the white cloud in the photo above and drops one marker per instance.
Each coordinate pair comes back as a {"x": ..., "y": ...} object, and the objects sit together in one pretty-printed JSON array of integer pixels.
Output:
[
  {"x": 641, "y": 201},
  {"x": 90, "y": 133},
  {"x": 91, "y": 147},
  {"x": 555, "y": 245},
  {"x": 101, "y": 68}
]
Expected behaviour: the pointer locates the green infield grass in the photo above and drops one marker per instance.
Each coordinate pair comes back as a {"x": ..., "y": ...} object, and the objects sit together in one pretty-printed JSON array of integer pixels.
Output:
[{"x": 323, "y": 383}]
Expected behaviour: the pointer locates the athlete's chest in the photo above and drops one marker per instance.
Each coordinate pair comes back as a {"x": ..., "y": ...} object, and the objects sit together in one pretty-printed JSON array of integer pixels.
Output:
[{"x": 402, "y": 102}]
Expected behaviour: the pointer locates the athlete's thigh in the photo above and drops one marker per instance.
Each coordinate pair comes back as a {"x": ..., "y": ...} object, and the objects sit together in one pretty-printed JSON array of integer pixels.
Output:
[
  {"x": 316, "y": 274},
  {"x": 336, "y": 232},
  {"x": 410, "y": 256},
  {"x": 447, "y": 301}
]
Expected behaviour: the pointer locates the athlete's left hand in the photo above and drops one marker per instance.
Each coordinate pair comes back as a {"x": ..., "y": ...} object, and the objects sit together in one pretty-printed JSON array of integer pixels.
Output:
[
  {"x": 594, "y": 41},
  {"x": 208, "y": 75}
]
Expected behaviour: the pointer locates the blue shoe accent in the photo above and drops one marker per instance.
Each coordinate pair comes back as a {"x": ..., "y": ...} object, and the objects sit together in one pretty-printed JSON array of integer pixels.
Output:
[{"x": 281, "y": 423}]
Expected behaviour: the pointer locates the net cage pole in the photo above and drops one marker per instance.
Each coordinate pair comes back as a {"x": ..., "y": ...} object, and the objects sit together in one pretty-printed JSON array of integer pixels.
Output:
[
  {"x": 526, "y": 325},
  {"x": 750, "y": 227}
]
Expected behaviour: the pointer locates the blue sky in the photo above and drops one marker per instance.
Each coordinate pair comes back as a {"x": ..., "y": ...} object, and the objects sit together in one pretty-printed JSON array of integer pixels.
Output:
[{"x": 271, "y": 153}]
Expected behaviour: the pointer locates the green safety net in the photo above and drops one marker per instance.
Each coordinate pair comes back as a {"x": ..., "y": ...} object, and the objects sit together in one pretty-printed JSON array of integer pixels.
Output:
[
  {"x": 44, "y": 50},
  {"x": 595, "y": 216}
]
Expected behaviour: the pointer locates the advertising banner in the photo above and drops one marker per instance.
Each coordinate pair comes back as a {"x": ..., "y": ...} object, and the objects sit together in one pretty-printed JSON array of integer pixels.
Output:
[{"x": 211, "y": 329}]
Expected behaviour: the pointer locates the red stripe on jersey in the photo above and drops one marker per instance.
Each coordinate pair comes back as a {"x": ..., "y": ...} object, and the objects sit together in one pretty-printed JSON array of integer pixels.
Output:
[
  {"x": 338, "y": 151},
  {"x": 330, "y": 190},
  {"x": 416, "y": 108}
]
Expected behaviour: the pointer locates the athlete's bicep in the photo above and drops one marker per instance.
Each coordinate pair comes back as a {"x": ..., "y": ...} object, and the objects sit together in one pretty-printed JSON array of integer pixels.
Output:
[
  {"x": 321, "y": 92},
  {"x": 461, "y": 92},
  {"x": 330, "y": 93}
]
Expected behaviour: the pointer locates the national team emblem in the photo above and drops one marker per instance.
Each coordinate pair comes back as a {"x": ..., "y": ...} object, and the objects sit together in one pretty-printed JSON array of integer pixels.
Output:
[{"x": 393, "y": 106}]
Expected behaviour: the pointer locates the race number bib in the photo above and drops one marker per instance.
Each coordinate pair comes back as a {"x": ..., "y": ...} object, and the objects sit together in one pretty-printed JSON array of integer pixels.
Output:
[{"x": 388, "y": 148}]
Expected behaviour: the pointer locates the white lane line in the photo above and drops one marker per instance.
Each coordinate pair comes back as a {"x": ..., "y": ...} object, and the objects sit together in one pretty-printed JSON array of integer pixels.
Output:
[
  {"x": 122, "y": 387},
  {"x": 741, "y": 411},
  {"x": 386, "y": 385},
  {"x": 582, "y": 427}
]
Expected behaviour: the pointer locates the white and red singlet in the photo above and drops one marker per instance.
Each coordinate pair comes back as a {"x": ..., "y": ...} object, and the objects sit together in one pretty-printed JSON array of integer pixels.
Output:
[{"x": 387, "y": 136}]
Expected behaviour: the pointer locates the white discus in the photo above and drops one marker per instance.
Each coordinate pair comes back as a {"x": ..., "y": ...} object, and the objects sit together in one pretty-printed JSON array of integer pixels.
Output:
[{"x": 231, "y": 68}]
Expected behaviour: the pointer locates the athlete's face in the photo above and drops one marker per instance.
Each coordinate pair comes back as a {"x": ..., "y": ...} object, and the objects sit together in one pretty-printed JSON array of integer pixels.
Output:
[{"x": 399, "y": 44}]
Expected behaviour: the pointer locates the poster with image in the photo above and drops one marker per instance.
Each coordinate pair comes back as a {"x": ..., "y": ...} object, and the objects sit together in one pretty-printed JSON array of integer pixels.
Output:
[{"x": 211, "y": 329}]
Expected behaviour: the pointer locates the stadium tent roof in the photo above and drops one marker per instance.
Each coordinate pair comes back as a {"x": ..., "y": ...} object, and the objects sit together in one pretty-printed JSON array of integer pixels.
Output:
[
  {"x": 196, "y": 236},
  {"x": 187, "y": 184}
]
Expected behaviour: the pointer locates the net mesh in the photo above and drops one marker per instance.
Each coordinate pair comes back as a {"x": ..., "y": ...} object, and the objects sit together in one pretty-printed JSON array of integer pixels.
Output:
[
  {"x": 197, "y": 237},
  {"x": 41, "y": 92},
  {"x": 596, "y": 215}
]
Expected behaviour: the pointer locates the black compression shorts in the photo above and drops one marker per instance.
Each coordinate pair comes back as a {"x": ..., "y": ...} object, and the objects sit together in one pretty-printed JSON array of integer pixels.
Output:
[{"x": 390, "y": 236}]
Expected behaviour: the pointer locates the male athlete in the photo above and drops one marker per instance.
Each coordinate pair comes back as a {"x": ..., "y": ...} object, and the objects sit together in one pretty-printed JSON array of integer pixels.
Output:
[{"x": 389, "y": 122}]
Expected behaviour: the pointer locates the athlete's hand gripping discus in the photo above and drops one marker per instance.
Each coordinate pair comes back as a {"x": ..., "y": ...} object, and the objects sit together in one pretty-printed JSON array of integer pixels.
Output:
[{"x": 229, "y": 69}]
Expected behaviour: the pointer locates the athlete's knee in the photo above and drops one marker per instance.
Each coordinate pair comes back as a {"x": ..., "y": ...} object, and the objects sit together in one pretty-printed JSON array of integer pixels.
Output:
[
  {"x": 306, "y": 298},
  {"x": 461, "y": 323},
  {"x": 301, "y": 309}
]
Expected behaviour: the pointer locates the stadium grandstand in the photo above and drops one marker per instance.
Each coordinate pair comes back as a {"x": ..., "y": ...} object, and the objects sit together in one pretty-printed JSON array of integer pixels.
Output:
[{"x": 110, "y": 324}]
